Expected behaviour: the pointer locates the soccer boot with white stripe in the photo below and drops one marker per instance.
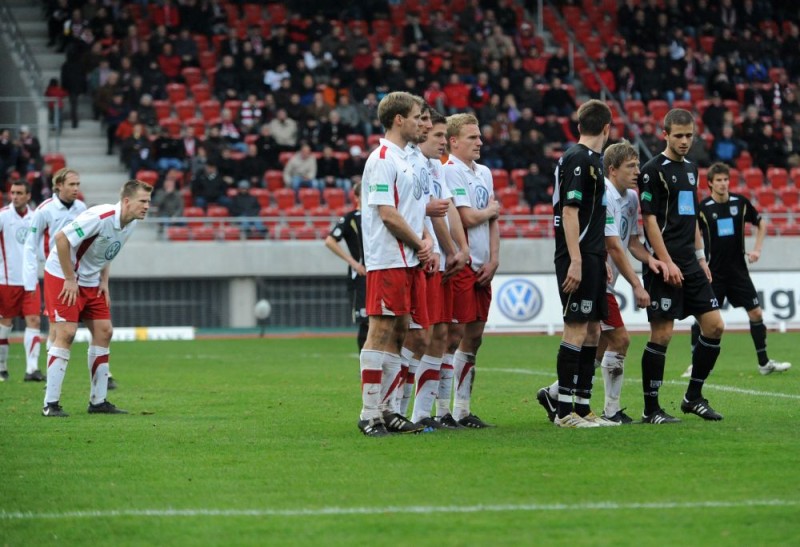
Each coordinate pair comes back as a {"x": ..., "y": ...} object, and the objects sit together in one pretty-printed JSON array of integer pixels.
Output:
[
  {"x": 620, "y": 417},
  {"x": 448, "y": 422},
  {"x": 373, "y": 428},
  {"x": 397, "y": 423},
  {"x": 602, "y": 422},
  {"x": 474, "y": 422},
  {"x": 774, "y": 366},
  {"x": 659, "y": 417},
  {"x": 3, "y": 375},
  {"x": 549, "y": 404},
  {"x": 105, "y": 408},
  {"x": 573, "y": 421},
  {"x": 430, "y": 424},
  {"x": 54, "y": 410},
  {"x": 701, "y": 408}
]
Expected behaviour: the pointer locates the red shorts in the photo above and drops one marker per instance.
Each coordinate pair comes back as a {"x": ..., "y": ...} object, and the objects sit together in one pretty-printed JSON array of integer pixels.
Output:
[
  {"x": 440, "y": 299},
  {"x": 15, "y": 301},
  {"x": 88, "y": 305},
  {"x": 614, "y": 319},
  {"x": 470, "y": 301},
  {"x": 389, "y": 291},
  {"x": 420, "y": 315}
]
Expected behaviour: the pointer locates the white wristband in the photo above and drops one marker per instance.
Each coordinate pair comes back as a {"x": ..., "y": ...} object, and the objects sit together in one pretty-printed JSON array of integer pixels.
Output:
[{"x": 700, "y": 254}]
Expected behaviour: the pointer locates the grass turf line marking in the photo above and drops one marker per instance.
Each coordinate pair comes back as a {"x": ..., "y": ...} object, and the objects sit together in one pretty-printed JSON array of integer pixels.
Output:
[
  {"x": 729, "y": 389},
  {"x": 340, "y": 511}
]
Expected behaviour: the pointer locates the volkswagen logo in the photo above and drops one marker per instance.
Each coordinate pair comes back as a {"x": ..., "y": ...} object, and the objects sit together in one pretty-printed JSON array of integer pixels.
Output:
[
  {"x": 112, "y": 250},
  {"x": 519, "y": 300}
]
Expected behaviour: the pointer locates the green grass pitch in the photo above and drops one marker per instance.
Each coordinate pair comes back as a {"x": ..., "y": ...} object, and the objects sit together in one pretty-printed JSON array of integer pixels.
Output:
[{"x": 254, "y": 442}]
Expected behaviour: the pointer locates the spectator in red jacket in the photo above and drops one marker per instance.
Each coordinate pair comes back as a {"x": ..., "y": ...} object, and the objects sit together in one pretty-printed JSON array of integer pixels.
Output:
[
  {"x": 169, "y": 62},
  {"x": 457, "y": 95}
]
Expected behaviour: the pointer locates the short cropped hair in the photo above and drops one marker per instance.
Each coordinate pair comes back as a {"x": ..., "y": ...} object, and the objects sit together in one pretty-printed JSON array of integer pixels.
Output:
[
  {"x": 677, "y": 116},
  {"x": 457, "y": 121},
  {"x": 618, "y": 153},
  {"x": 715, "y": 169},
  {"x": 130, "y": 188},
  {"x": 437, "y": 117},
  {"x": 394, "y": 103},
  {"x": 23, "y": 183},
  {"x": 593, "y": 116}
]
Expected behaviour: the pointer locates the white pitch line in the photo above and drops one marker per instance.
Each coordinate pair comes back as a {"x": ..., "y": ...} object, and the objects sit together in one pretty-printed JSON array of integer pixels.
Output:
[
  {"x": 729, "y": 389},
  {"x": 342, "y": 511}
]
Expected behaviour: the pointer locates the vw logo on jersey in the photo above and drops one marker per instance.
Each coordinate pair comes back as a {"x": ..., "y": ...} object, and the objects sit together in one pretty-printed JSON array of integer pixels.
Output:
[
  {"x": 519, "y": 300},
  {"x": 424, "y": 181},
  {"x": 417, "y": 187},
  {"x": 623, "y": 228},
  {"x": 113, "y": 250},
  {"x": 481, "y": 197},
  {"x": 437, "y": 189},
  {"x": 21, "y": 234}
]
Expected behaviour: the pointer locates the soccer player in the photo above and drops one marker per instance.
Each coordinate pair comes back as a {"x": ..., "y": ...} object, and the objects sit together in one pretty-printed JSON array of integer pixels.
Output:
[
  {"x": 621, "y": 161},
  {"x": 722, "y": 219},
  {"x": 668, "y": 197},
  {"x": 473, "y": 194},
  {"x": 46, "y": 221},
  {"x": 579, "y": 216},
  {"x": 395, "y": 244},
  {"x": 76, "y": 283},
  {"x": 348, "y": 228},
  {"x": 426, "y": 347},
  {"x": 15, "y": 220}
]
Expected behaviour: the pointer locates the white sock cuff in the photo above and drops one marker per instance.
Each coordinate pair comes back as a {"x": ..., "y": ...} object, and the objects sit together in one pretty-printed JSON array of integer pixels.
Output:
[
  {"x": 61, "y": 353},
  {"x": 463, "y": 357},
  {"x": 5, "y": 332},
  {"x": 98, "y": 350},
  {"x": 392, "y": 360},
  {"x": 447, "y": 358},
  {"x": 430, "y": 360},
  {"x": 32, "y": 331},
  {"x": 406, "y": 354},
  {"x": 371, "y": 359}
]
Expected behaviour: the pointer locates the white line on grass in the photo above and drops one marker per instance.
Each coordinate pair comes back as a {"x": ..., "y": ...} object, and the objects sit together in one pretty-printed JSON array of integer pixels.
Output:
[
  {"x": 730, "y": 389},
  {"x": 339, "y": 511}
]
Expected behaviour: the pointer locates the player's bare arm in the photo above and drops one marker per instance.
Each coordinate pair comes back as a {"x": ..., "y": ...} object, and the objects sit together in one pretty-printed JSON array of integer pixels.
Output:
[
  {"x": 674, "y": 275},
  {"x": 486, "y": 273},
  {"x": 761, "y": 232},
  {"x": 69, "y": 293},
  {"x": 336, "y": 249},
  {"x": 437, "y": 207},
  {"x": 571, "y": 224},
  {"x": 620, "y": 258},
  {"x": 471, "y": 217},
  {"x": 639, "y": 252},
  {"x": 459, "y": 237},
  {"x": 699, "y": 246}
]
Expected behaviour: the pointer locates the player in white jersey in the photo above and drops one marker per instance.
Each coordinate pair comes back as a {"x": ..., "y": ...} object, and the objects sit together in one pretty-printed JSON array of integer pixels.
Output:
[
  {"x": 48, "y": 218},
  {"x": 76, "y": 282},
  {"x": 15, "y": 221},
  {"x": 395, "y": 243},
  {"x": 473, "y": 193},
  {"x": 429, "y": 345}
]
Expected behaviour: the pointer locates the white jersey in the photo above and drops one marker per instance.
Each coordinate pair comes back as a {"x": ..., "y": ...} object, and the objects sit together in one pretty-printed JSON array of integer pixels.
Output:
[
  {"x": 95, "y": 238},
  {"x": 13, "y": 230},
  {"x": 48, "y": 219},
  {"x": 622, "y": 213},
  {"x": 472, "y": 188},
  {"x": 389, "y": 180},
  {"x": 422, "y": 171},
  {"x": 440, "y": 190}
]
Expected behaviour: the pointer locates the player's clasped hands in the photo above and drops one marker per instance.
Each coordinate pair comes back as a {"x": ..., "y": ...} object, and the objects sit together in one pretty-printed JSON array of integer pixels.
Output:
[
  {"x": 425, "y": 253},
  {"x": 455, "y": 263},
  {"x": 69, "y": 293},
  {"x": 494, "y": 206}
]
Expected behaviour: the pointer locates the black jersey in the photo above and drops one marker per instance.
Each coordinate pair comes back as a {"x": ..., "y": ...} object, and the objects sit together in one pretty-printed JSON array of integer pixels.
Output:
[
  {"x": 580, "y": 183},
  {"x": 668, "y": 190},
  {"x": 722, "y": 225},
  {"x": 348, "y": 228}
]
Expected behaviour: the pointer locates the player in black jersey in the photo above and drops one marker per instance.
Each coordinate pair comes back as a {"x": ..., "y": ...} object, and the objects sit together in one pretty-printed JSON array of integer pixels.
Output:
[
  {"x": 579, "y": 217},
  {"x": 668, "y": 198},
  {"x": 722, "y": 220},
  {"x": 348, "y": 228}
]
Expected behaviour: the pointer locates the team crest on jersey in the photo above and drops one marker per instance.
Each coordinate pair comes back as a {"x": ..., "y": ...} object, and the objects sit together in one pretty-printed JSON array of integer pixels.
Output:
[
  {"x": 691, "y": 178},
  {"x": 113, "y": 250},
  {"x": 674, "y": 179},
  {"x": 734, "y": 210},
  {"x": 21, "y": 234},
  {"x": 646, "y": 178},
  {"x": 481, "y": 197},
  {"x": 714, "y": 216},
  {"x": 623, "y": 228},
  {"x": 586, "y": 306},
  {"x": 654, "y": 305},
  {"x": 577, "y": 171},
  {"x": 666, "y": 303}
]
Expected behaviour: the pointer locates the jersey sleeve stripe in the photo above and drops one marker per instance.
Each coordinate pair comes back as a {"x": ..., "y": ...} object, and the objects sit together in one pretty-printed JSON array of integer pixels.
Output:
[{"x": 107, "y": 214}]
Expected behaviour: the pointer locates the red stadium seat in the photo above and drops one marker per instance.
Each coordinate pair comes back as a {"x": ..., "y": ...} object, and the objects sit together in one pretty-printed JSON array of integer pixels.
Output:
[
  {"x": 148, "y": 176},
  {"x": 295, "y": 216},
  {"x": 262, "y": 195},
  {"x": 284, "y": 198},
  {"x": 790, "y": 197},
  {"x": 210, "y": 109},
  {"x": 499, "y": 179},
  {"x": 305, "y": 232},
  {"x": 334, "y": 198},
  {"x": 178, "y": 233},
  {"x": 753, "y": 178},
  {"x": 185, "y": 109},
  {"x": 508, "y": 197},
  {"x": 231, "y": 233},
  {"x": 508, "y": 231},
  {"x": 192, "y": 75},
  {"x": 55, "y": 161},
  {"x": 208, "y": 60},
  {"x": 517, "y": 178},
  {"x": 203, "y": 233},
  {"x": 777, "y": 178},
  {"x": 658, "y": 109},
  {"x": 234, "y": 106},
  {"x": 321, "y": 217},
  {"x": 356, "y": 140},
  {"x": 634, "y": 107},
  {"x": 201, "y": 92},
  {"x": 194, "y": 212},
  {"x": 172, "y": 125},
  {"x": 518, "y": 211},
  {"x": 309, "y": 198},
  {"x": 218, "y": 211},
  {"x": 163, "y": 109},
  {"x": 176, "y": 92},
  {"x": 765, "y": 197},
  {"x": 273, "y": 179},
  {"x": 198, "y": 124},
  {"x": 744, "y": 161},
  {"x": 794, "y": 174}
]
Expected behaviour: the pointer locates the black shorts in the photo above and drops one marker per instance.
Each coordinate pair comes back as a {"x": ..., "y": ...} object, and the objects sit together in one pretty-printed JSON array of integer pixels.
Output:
[
  {"x": 737, "y": 288},
  {"x": 359, "y": 290},
  {"x": 695, "y": 297},
  {"x": 589, "y": 302}
]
